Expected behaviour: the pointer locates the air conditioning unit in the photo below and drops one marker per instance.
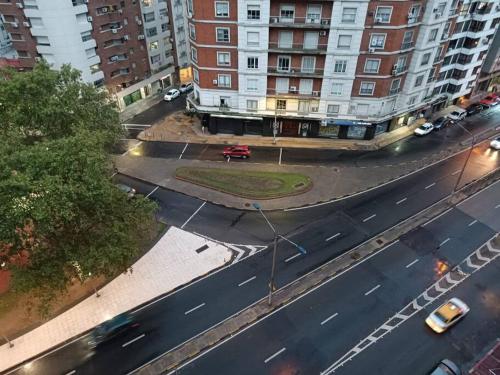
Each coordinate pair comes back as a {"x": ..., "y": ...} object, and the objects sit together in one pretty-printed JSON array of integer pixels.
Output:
[
  {"x": 140, "y": 37},
  {"x": 38, "y": 58},
  {"x": 120, "y": 11},
  {"x": 322, "y": 33},
  {"x": 20, "y": 5},
  {"x": 15, "y": 25},
  {"x": 274, "y": 19},
  {"x": 325, "y": 22},
  {"x": 139, "y": 22},
  {"x": 371, "y": 50},
  {"x": 215, "y": 82},
  {"x": 114, "y": 31},
  {"x": 113, "y": 58},
  {"x": 379, "y": 19},
  {"x": 394, "y": 72},
  {"x": 134, "y": 65},
  {"x": 136, "y": 78},
  {"x": 104, "y": 10},
  {"x": 293, "y": 88},
  {"x": 126, "y": 37},
  {"x": 89, "y": 18},
  {"x": 190, "y": 15},
  {"x": 26, "y": 24},
  {"x": 125, "y": 21},
  {"x": 316, "y": 93}
]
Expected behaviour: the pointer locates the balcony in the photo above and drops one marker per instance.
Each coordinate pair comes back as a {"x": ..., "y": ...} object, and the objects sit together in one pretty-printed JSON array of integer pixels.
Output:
[
  {"x": 295, "y": 72},
  {"x": 293, "y": 92},
  {"x": 300, "y": 22},
  {"x": 298, "y": 48}
]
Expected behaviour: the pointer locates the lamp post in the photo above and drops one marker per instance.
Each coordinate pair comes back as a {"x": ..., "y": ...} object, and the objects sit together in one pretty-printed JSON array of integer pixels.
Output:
[
  {"x": 275, "y": 247},
  {"x": 469, "y": 153}
]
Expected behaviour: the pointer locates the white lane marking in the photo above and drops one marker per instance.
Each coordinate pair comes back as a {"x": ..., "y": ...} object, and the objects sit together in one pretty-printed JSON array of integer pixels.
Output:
[
  {"x": 194, "y": 308},
  {"x": 275, "y": 355},
  {"x": 133, "y": 340},
  {"x": 497, "y": 206},
  {"x": 402, "y": 200},
  {"x": 281, "y": 151},
  {"x": 292, "y": 257},
  {"x": 372, "y": 290},
  {"x": 329, "y": 318},
  {"x": 193, "y": 215},
  {"x": 445, "y": 241},
  {"x": 152, "y": 191},
  {"x": 184, "y": 149},
  {"x": 130, "y": 149},
  {"x": 437, "y": 217},
  {"x": 369, "y": 218},
  {"x": 429, "y": 186},
  {"x": 332, "y": 237},
  {"x": 412, "y": 263},
  {"x": 456, "y": 172},
  {"x": 247, "y": 281},
  {"x": 472, "y": 223},
  {"x": 71, "y": 372}
]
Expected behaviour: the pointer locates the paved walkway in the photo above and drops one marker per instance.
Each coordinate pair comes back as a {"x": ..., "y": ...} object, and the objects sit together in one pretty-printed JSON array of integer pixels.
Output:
[{"x": 172, "y": 262}]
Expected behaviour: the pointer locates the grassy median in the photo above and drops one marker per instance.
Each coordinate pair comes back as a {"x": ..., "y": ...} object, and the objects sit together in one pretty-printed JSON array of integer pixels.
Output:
[{"x": 247, "y": 184}]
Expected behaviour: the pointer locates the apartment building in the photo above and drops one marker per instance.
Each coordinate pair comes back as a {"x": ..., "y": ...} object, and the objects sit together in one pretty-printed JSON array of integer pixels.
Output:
[
  {"x": 489, "y": 77},
  {"x": 333, "y": 68},
  {"x": 123, "y": 45}
]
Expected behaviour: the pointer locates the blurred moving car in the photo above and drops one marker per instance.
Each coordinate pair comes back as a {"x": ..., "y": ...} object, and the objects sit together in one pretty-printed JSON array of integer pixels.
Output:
[
  {"x": 473, "y": 109},
  {"x": 446, "y": 367},
  {"x": 490, "y": 101},
  {"x": 127, "y": 189},
  {"x": 441, "y": 122},
  {"x": 185, "y": 87},
  {"x": 236, "y": 152},
  {"x": 495, "y": 144},
  {"x": 171, "y": 95},
  {"x": 424, "y": 129},
  {"x": 447, "y": 315},
  {"x": 111, "y": 328},
  {"x": 457, "y": 115}
]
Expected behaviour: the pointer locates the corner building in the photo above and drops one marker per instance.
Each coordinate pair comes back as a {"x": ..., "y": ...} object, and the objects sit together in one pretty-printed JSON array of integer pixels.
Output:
[{"x": 333, "y": 68}]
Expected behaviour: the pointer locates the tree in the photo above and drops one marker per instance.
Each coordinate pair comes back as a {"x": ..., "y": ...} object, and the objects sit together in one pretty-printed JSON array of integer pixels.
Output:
[{"x": 62, "y": 216}]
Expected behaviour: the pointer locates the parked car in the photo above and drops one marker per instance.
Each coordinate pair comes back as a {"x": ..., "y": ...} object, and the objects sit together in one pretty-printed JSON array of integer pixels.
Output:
[
  {"x": 489, "y": 101},
  {"x": 186, "y": 87},
  {"x": 236, "y": 152},
  {"x": 171, "y": 95},
  {"x": 441, "y": 123},
  {"x": 127, "y": 189},
  {"x": 495, "y": 144},
  {"x": 446, "y": 367},
  {"x": 447, "y": 315},
  {"x": 424, "y": 129},
  {"x": 457, "y": 115},
  {"x": 473, "y": 109},
  {"x": 111, "y": 328}
]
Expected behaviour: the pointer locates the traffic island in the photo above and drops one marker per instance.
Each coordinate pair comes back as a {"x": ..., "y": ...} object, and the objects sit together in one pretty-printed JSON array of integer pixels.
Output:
[{"x": 247, "y": 184}]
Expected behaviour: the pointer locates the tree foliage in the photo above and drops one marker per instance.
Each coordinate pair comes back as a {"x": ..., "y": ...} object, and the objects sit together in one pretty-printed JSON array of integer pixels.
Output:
[{"x": 62, "y": 216}]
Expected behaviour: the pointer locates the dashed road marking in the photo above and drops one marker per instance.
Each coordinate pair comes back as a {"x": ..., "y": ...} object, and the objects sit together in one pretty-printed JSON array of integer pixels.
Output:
[
  {"x": 193, "y": 215},
  {"x": 332, "y": 237},
  {"x": 292, "y": 257},
  {"x": 275, "y": 355},
  {"x": 133, "y": 340},
  {"x": 444, "y": 242},
  {"x": 369, "y": 218},
  {"x": 472, "y": 223},
  {"x": 194, "y": 308},
  {"x": 184, "y": 149},
  {"x": 456, "y": 172},
  {"x": 247, "y": 281},
  {"x": 497, "y": 206},
  {"x": 429, "y": 186},
  {"x": 71, "y": 372},
  {"x": 152, "y": 191},
  {"x": 372, "y": 290},
  {"x": 329, "y": 318},
  {"x": 281, "y": 152},
  {"x": 401, "y": 200},
  {"x": 412, "y": 263}
]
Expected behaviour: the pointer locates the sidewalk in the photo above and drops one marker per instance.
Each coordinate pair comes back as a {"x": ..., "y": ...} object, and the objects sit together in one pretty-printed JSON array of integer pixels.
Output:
[{"x": 171, "y": 263}]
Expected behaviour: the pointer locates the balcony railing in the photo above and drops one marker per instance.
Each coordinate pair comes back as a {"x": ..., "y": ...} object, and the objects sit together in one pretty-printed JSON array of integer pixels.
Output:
[
  {"x": 297, "y": 47},
  {"x": 305, "y": 22},
  {"x": 294, "y": 71},
  {"x": 293, "y": 91}
]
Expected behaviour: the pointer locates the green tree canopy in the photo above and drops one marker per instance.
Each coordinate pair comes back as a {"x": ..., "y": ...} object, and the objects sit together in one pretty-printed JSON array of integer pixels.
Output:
[{"x": 62, "y": 216}]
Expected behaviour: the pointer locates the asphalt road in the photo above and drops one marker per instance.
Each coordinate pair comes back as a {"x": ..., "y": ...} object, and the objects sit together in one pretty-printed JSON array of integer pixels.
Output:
[{"x": 307, "y": 336}]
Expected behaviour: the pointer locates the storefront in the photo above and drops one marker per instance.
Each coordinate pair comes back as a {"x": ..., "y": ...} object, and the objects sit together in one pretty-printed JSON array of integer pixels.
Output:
[
  {"x": 346, "y": 129},
  {"x": 237, "y": 125}
]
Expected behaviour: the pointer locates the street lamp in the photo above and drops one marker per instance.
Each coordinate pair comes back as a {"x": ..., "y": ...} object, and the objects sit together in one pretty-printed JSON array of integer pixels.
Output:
[
  {"x": 473, "y": 143},
  {"x": 276, "y": 235}
]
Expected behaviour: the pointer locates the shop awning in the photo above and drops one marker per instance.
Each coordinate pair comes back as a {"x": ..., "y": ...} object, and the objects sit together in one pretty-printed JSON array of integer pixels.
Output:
[{"x": 239, "y": 117}]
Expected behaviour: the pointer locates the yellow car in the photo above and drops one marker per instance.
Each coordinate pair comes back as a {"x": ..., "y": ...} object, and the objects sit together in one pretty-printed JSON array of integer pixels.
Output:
[{"x": 447, "y": 315}]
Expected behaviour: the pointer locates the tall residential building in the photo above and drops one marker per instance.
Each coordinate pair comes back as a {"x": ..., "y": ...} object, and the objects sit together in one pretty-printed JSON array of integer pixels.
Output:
[
  {"x": 489, "y": 77},
  {"x": 333, "y": 68},
  {"x": 124, "y": 45}
]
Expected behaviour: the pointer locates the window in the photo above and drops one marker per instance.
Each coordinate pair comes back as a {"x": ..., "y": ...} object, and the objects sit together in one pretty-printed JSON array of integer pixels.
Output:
[
  {"x": 252, "y": 105},
  {"x": 372, "y": 65},
  {"x": 149, "y": 17},
  {"x": 196, "y": 75},
  {"x": 252, "y": 84},
  {"x": 192, "y": 31},
  {"x": 253, "y": 12},
  {"x": 440, "y": 9},
  {"x": 340, "y": 66},
  {"x": 344, "y": 41},
  {"x": 311, "y": 39},
  {"x": 223, "y": 58},
  {"x": 153, "y": 45},
  {"x": 164, "y": 27},
  {"x": 418, "y": 81},
  {"x": 285, "y": 39},
  {"x": 401, "y": 63},
  {"x": 395, "y": 86},
  {"x": 383, "y": 14},
  {"x": 94, "y": 68},
  {"x": 313, "y": 14},
  {"x": 413, "y": 14},
  {"x": 155, "y": 59},
  {"x": 152, "y": 31},
  {"x": 308, "y": 64},
  {"x": 349, "y": 15},
  {"x": 224, "y": 80},
  {"x": 412, "y": 100},
  {"x": 287, "y": 13},
  {"x": 86, "y": 35},
  {"x": 221, "y": 9},
  {"x": 281, "y": 104},
  {"x": 284, "y": 63},
  {"x": 282, "y": 85},
  {"x": 303, "y": 106},
  {"x": 362, "y": 109},
  {"x": 305, "y": 86},
  {"x": 190, "y": 6},
  {"x": 224, "y": 102},
  {"x": 333, "y": 108},
  {"x": 194, "y": 54},
  {"x": 253, "y": 63},
  {"x": 253, "y": 38},
  {"x": 407, "y": 40},
  {"x": 367, "y": 88},
  {"x": 222, "y": 34},
  {"x": 337, "y": 89},
  {"x": 433, "y": 34},
  {"x": 425, "y": 59},
  {"x": 377, "y": 40}
]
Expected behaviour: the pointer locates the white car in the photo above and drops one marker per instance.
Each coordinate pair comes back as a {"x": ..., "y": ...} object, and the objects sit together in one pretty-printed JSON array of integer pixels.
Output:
[
  {"x": 495, "y": 144},
  {"x": 185, "y": 87},
  {"x": 457, "y": 115},
  {"x": 424, "y": 129},
  {"x": 447, "y": 315},
  {"x": 171, "y": 94}
]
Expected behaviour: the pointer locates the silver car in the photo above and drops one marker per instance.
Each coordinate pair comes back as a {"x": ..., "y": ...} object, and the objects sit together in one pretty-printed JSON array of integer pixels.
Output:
[{"x": 447, "y": 315}]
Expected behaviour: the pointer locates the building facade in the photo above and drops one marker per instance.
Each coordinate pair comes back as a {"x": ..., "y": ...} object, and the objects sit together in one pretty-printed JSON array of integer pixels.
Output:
[
  {"x": 489, "y": 77},
  {"x": 123, "y": 45},
  {"x": 333, "y": 68}
]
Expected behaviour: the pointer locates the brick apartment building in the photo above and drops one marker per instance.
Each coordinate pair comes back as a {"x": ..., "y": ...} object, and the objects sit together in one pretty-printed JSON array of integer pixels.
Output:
[
  {"x": 333, "y": 68},
  {"x": 125, "y": 45}
]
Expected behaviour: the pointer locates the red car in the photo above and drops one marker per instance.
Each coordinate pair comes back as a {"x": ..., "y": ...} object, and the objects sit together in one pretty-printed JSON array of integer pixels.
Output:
[
  {"x": 236, "y": 152},
  {"x": 490, "y": 101}
]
